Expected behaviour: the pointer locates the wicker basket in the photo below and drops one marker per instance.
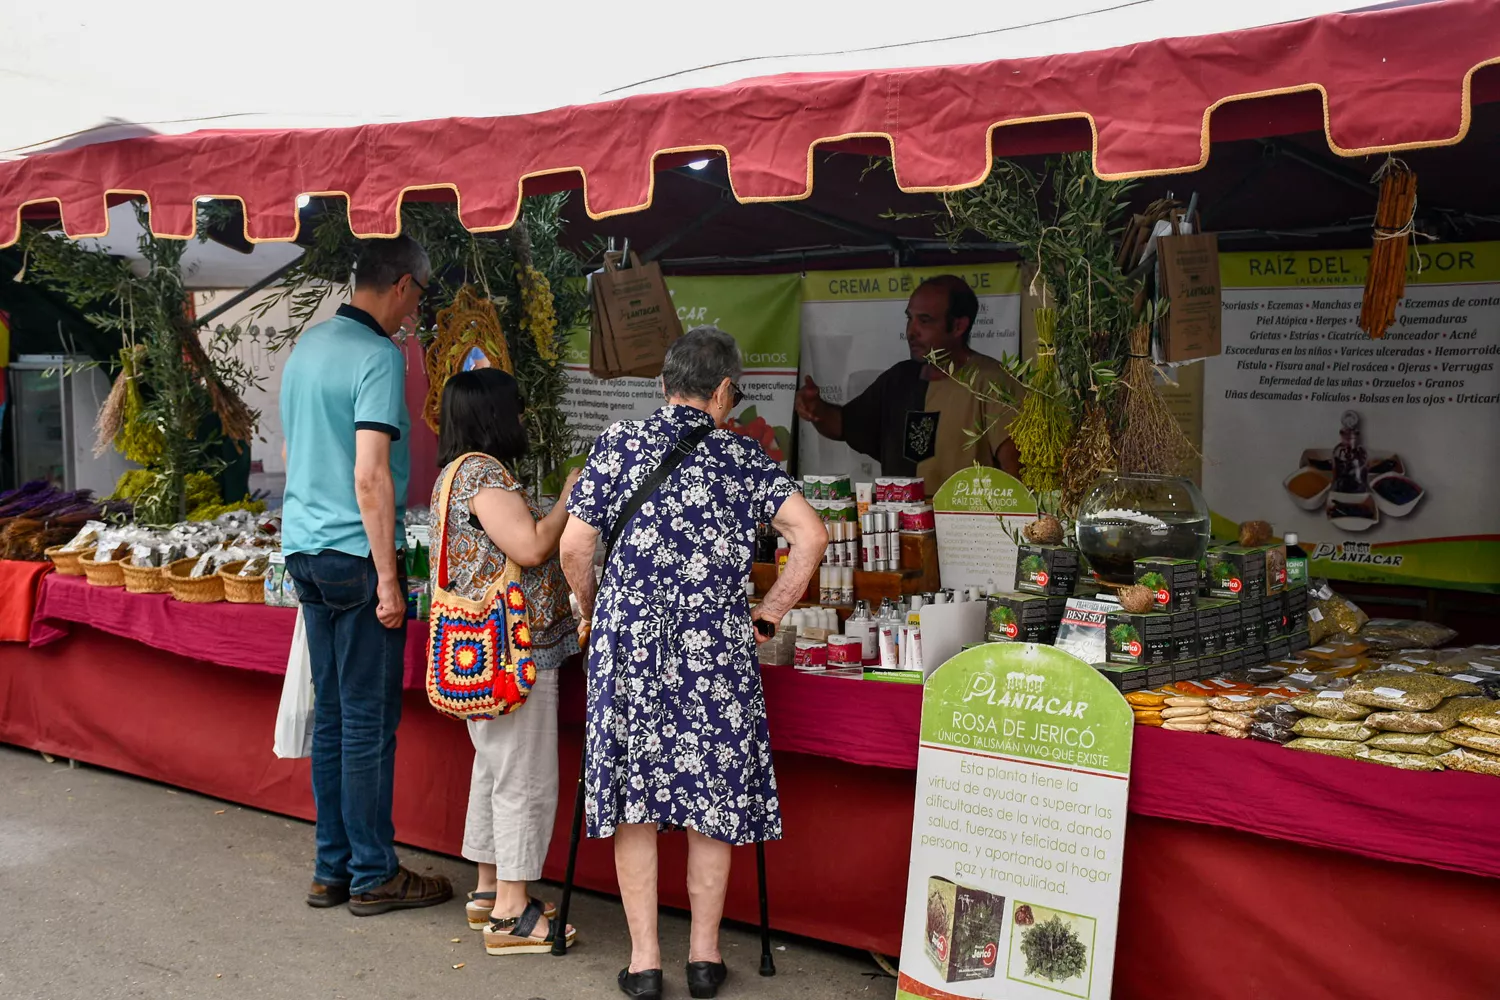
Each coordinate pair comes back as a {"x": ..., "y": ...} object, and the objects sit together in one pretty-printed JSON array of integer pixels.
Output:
[
  {"x": 104, "y": 574},
  {"x": 242, "y": 589},
  {"x": 144, "y": 579},
  {"x": 203, "y": 590},
  {"x": 66, "y": 563}
]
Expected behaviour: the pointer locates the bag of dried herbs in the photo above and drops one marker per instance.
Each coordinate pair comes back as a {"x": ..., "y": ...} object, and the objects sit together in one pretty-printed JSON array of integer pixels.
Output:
[
  {"x": 1407, "y": 692},
  {"x": 1484, "y": 716},
  {"x": 1477, "y": 761},
  {"x": 1429, "y": 743},
  {"x": 1474, "y": 739},
  {"x": 1331, "y": 729},
  {"x": 1404, "y": 633},
  {"x": 1405, "y": 761},
  {"x": 1329, "y": 614},
  {"x": 1053, "y": 950},
  {"x": 1331, "y": 705},
  {"x": 1444, "y": 717},
  {"x": 1334, "y": 748}
]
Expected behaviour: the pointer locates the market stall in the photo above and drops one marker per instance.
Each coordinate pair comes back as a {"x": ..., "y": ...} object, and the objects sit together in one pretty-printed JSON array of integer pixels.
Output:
[
  {"x": 147, "y": 683},
  {"x": 1209, "y": 816}
]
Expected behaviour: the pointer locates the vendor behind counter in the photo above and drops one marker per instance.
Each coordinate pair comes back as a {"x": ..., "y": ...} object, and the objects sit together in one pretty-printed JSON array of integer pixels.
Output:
[{"x": 916, "y": 420}]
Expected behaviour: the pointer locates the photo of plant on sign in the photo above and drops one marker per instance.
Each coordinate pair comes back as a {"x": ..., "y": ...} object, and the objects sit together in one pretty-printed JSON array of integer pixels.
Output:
[
  {"x": 1051, "y": 948},
  {"x": 777, "y": 441}
]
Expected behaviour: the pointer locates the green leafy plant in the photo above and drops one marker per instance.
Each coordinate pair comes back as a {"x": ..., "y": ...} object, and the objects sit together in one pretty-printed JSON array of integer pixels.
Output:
[
  {"x": 1153, "y": 581},
  {"x": 1123, "y": 635},
  {"x": 1031, "y": 566},
  {"x": 495, "y": 264},
  {"x": 180, "y": 382},
  {"x": 1053, "y": 950},
  {"x": 1002, "y": 617}
]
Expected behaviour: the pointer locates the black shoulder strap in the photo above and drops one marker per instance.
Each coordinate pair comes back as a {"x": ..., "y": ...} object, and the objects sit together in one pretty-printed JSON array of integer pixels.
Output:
[{"x": 673, "y": 458}]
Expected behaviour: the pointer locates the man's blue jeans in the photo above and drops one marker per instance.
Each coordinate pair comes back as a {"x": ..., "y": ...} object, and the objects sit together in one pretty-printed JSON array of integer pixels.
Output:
[{"x": 356, "y": 671}]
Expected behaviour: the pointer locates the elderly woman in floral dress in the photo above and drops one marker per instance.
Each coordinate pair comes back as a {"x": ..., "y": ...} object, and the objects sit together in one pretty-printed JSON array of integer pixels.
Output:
[{"x": 677, "y": 734}]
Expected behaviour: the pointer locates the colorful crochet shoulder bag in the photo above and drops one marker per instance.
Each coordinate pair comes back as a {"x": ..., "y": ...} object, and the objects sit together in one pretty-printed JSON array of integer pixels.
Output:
[{"x": 479, "y": 662}]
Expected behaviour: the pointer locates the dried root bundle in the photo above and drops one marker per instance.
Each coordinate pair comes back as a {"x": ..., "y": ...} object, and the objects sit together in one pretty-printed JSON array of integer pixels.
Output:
[
  {"x": 1151, "y": 441},
  {"x": 1385, "y": 281}
]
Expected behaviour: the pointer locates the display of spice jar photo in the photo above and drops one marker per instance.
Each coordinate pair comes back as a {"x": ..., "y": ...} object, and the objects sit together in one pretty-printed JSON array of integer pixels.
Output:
[{"x": 1354, "y": 487}]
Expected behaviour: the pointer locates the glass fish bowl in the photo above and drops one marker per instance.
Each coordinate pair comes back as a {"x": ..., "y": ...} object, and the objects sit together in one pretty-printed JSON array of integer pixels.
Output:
[{"x": 1126, "y": 517}]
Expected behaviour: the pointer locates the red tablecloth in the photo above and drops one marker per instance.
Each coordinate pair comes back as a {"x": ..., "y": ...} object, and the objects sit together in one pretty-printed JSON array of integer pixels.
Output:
[
  {"x": 1446, "y": 820},
  {"x": 19, "y": 585}
]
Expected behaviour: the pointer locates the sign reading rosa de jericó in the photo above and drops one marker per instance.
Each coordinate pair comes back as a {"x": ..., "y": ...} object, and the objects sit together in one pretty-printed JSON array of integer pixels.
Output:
[{"x": 1019, "y": 829}]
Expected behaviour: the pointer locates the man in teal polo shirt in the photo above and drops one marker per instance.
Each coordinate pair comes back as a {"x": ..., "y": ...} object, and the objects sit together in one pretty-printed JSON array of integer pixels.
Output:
[{"x": 343, "y": 408}]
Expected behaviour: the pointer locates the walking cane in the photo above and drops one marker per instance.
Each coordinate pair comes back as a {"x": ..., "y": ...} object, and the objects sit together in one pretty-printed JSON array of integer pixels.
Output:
[
  {"x": 767, "y": 963},
  {"x": 560, "y": 941}
]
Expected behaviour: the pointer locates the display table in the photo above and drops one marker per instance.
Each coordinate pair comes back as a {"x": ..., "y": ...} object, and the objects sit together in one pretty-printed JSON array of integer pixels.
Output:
[
  {"x": 1250, "y": 870},
  {"x": 20, "y": 582}
]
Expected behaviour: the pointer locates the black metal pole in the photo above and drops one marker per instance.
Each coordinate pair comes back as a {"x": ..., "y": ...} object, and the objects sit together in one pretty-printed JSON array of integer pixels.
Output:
[
  {"x": 560, "y": 938},
  {"x": 767, "y": 963}
]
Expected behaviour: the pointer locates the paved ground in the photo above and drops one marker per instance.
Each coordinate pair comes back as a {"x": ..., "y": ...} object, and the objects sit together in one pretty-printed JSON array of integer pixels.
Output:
[{"x": 112, "y": 887}]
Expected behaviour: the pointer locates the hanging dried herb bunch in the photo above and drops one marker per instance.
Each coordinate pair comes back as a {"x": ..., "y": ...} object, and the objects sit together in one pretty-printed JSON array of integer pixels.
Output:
[
  {"x": 1090, "y": 454},
  {"x": 1044, "y": 424},
  {"x": 1385, "y": 280},
  {"x": 1151, "y": 439}
]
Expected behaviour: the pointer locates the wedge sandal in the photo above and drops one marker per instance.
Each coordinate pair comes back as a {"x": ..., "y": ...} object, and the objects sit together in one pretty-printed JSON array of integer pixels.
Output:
[
  {"x": 512, "y": 935},
  {"x": 481, "y": 906}
]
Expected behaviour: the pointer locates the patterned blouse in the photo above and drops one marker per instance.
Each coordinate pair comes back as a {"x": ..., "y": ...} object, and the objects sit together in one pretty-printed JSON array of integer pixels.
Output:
[{"x": 475, "y": 562}]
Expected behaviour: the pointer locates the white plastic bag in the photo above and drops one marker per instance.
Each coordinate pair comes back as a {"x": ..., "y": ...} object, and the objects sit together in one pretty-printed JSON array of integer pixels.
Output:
[{"x": 294, "y": 719}]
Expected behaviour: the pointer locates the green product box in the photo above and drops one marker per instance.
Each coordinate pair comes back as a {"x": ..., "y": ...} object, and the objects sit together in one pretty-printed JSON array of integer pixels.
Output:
[
  {"x": 1299, "y": 640},
  {"x": 1276, "y": 575},
  {"x": 1278, "y": 649},
  {"x": 1209, "y": 666},
  {"x": 1210, "y": 633},
  {"x": 895, "y": 676},
  {"x": 1161, "y": 674},
  {"x": 1231, "y": 661},
  {"x": 1138, "y": 639},
  {"x": 1057, "y": 607},
  {"x": 1272, "y": 615},
  {"x": 1252, "y": 625},
  {"x": 1125, "y": 678},
  {"x": 1018, "y": 618},
  {"x": 1172, "y": 582},
  {"x": 1237, "y": 572},
  {"x": 963, "y": 930},
  {"x": 1186, "y": 640},
  {"x": 1255, "y": 655},
  {"x": 1046, "y": 569}
]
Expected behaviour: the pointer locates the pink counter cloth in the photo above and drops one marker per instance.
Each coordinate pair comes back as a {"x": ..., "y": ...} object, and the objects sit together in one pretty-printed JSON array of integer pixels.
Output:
[{"x": 244, "y": 636}]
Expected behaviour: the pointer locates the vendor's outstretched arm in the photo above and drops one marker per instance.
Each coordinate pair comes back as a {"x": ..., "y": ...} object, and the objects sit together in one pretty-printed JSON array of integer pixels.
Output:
[{"x": 827, "y": 418}]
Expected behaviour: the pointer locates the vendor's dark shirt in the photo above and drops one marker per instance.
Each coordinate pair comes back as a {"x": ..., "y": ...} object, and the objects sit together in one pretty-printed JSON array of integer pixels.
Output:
[{"x": 889, "y": 422}]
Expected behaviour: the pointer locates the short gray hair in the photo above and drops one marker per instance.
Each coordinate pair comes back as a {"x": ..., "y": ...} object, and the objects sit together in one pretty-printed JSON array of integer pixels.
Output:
[
  {"x": 698, "y": 361},
  {"x": 384, "y": 260}
]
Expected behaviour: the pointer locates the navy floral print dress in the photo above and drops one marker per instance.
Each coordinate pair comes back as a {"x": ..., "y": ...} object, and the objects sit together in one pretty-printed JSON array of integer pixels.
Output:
[{"x": 677, "y": 731}]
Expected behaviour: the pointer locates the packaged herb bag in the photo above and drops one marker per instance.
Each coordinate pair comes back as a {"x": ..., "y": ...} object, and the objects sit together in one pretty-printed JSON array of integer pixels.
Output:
[
  {"x": 1330, "y": 729},
  {"x": 1401, "y": 633},
  {"x": 1407, "y": 692},
  {"x": 1334, "y": 748},
  {"x": 1330, "y": 705},
  {"x": 1484, "y": 716},
  {"x": 1429, "y": 743},
  {"x": 1477, "y": 761},
  {"x": 1405, "y": 761},
  {"x": 1474, "y": 739},
  {"x": 1445, "y": 716}
]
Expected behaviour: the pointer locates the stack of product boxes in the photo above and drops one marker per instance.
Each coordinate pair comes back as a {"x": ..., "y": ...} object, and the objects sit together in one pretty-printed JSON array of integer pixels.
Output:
[{"x": 1224, "y": 615}]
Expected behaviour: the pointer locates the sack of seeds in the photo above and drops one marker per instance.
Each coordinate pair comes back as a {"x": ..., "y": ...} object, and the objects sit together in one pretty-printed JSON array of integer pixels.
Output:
[
  {"x": 1445, "y": 716},
  {"x": 1329, "y": 614},
  {"x": 1331, "y": 729},
  {"x": 1484, "y": 716},
  {"x": 1405, "y": 761},
  {"x": 1333, "y": 748},
  {"x": 1230, "y": 731},
  {"x": 1404, "y": 633},
  {"x": 1240, "y": 721},
  {"x": 1477, "y": 761},
  {"x": 1330, "y": 705},
  {"x": 1431, "y": 744},
  {"x": 1240, "y": 702},
  {"x": 1271, "y": 732},
  {"x": 1409, "y": 692},
  {"x": 1474, "y": 739}
]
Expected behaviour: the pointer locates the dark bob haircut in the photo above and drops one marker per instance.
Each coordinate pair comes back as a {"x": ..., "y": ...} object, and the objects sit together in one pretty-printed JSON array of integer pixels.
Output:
[{"x": 482, "y": 412}]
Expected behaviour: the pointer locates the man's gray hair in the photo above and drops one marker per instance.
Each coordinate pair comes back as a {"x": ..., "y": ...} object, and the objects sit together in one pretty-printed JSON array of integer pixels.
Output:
[
  {"x": 698, "y": 361},
  {"x": 383, "y": 261}
]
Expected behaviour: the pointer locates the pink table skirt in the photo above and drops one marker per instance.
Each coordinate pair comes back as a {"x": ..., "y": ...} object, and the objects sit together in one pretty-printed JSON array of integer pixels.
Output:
[{"x": 1446, "y": 819}]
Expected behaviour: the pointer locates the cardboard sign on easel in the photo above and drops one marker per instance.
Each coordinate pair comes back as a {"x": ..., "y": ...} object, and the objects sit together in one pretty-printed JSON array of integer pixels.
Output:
[{"x": 976, "y": 511}]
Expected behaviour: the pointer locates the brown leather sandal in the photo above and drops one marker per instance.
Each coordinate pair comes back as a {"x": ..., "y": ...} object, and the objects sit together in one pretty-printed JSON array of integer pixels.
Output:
[{"x": 406, "y": 891}]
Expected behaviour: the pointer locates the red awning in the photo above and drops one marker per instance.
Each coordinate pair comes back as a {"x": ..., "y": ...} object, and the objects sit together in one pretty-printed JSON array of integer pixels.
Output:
[{"x": 1387, "y": 80}]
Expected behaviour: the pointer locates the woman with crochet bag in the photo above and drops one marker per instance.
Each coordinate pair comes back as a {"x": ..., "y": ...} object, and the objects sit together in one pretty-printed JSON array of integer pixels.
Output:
[{"x": 501, "y": 628}]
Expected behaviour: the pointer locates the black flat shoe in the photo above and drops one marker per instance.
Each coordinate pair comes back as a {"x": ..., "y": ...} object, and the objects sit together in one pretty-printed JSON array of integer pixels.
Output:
[
  {"x": 644, "y": 985},
  {"x": 705, "y": 978}
]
